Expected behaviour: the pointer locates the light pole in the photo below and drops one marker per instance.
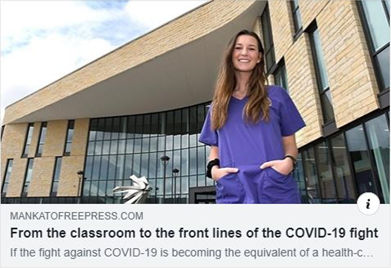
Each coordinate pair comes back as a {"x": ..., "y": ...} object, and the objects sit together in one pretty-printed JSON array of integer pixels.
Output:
[
  {"x": 175, "y": 172},
  {"x": 80, "y": 174},
  {"x": 165, "y": 160}
]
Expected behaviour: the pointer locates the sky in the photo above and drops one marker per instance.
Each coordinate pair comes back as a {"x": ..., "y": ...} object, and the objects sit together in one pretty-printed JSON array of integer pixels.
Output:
[{"x": 42, "y": 41}]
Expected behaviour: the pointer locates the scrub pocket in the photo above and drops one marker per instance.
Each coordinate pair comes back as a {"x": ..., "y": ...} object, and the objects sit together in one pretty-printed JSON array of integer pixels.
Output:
[
  {"x": 229, "y": 190},
  {"x": 279, "y": 188}
]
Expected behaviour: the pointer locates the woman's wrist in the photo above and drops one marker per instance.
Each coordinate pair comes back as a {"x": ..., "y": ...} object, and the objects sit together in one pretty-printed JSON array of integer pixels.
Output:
[
  {"x": 292, "y": 160},
  {"x": 212, "y": 163}
]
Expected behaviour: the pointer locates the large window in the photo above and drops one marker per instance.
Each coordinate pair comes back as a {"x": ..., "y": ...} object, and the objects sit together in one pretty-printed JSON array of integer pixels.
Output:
[
  {"x": 311, "y": 176},
  {"x": 359, "y": 156},
  {"x": 268, "y": 39},
  {"x": 378, "y": 134},
  {"x": 340, "y": 168},
  {"x": 27, "y": 143},
  {"x": 119, "y": 147},
  {"x": 2, "y": 131},
  {"x": 326, "y": 179},
  {"x": 376, "y": 21},
  {"x": 321, "y": 75},
  {"x": 69, "y": 138},
  {"x": 280, "y": 77},
  {"x": 344, "y": 180},
  {"x": 7, "y": 176},
  {"x": 27, "y": 177},
  {"x": 56, "y": 176},
  {"x": 296, "y": 17},
  {"x": 42, "y": 137},
  {"x": 298, "y": 174}
]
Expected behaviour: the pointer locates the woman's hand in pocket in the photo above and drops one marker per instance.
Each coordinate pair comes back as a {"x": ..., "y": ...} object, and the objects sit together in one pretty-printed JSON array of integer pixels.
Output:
[
  {"x": 284, "y": 166},
  {"x": 218, "y": 173}
]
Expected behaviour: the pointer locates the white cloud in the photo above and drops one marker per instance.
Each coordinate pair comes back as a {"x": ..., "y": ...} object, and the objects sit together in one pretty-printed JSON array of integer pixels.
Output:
[{"x": 21, "y": 20}]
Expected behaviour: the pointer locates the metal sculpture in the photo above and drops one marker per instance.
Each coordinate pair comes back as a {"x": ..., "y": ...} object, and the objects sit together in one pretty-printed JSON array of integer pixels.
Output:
[{"x": 136, "y": 193}]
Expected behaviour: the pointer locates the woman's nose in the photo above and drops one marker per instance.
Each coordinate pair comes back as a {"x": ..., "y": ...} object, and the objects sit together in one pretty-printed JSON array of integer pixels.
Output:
[{"x": 243, "y": 52}]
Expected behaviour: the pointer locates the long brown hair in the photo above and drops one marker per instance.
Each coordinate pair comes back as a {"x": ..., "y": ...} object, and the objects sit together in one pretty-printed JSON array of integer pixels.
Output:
[{"x": 258, "y": 102}]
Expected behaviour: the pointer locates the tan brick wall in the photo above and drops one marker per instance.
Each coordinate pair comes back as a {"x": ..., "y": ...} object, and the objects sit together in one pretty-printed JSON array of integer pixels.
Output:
[
  {"x": 55, "y": 138},
  {"x": 12, "y": 144},
  {"x": 69, "y": 181},
  {"x": 282, "y": 27},
  {"x": 17, "y": 177},
  {"x": 310, "y": 10},
  {"x": 13, "y": 141},
  {"x": 351, "y": 77},
  {"x": 42, "y": 176},
  {"x": 201, "y": 21},
  {"x": 303, "y": 89},
  {"x": 80, "y": 136}
]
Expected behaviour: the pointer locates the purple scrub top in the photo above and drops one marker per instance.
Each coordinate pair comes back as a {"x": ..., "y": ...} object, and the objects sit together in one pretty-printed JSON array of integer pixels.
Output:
[{"x": 247, "y": 146}]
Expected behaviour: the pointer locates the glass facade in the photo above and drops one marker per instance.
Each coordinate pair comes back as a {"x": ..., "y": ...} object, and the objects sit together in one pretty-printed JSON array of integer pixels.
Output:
[
  {"x": 119, "y": 147},
  {"x": 340, "y": 168},
  {"x": 378, "y": 134},
  {"x": 332, "y": 170},
  {"x": 326, "y": 180},
  {"x": 311, "y": 176},
  {"x": 344, "y": 181}
]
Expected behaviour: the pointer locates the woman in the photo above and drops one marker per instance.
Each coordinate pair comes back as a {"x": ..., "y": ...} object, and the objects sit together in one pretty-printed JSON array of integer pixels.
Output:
[{"x": 251, "y": 130}]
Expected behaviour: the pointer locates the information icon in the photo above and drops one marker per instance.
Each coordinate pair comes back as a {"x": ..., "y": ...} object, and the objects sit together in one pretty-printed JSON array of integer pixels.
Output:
[{"x": 368, "y": 203}]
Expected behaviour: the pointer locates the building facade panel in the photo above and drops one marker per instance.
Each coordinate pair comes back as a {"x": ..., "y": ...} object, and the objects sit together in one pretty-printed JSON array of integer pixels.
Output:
[
  {"x": 12, "y": 144},
  {"x": 351, "y": 77},
  {"x": 55, "y": 138},
  {"x": 303, "y": 89},
  {"x": 282, "y": 26},
  {"x": 17, "y": 177},
  {"x": 80, "y": 136},
  {"x": 311, "y": 9},
  {"x": 69, "y": 184},
  {"x": 41, "y": 180}
]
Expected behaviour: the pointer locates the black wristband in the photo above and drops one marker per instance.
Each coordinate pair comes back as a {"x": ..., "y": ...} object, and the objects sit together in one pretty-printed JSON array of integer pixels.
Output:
[
  {"x": 294, "y": 160},
  {"x": 211, "y": 164}
]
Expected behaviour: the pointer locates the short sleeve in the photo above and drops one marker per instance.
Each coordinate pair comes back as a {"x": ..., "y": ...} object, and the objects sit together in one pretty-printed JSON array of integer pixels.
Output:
[
  {"x": 291, "y": 120},
  {"x": 208, "y": 136}
]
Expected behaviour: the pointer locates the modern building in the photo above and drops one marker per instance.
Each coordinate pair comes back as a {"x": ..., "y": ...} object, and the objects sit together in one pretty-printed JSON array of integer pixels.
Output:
[{"x": 139, "y": 109}]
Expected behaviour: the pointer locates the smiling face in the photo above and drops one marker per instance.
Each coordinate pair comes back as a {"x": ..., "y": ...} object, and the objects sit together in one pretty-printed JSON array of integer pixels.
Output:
[{"x": 245, "y": 55}]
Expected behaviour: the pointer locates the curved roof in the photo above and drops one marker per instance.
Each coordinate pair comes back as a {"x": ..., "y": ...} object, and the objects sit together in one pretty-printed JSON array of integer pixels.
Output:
[{"x": 171, "y": 67}]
